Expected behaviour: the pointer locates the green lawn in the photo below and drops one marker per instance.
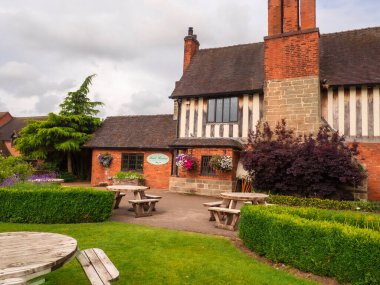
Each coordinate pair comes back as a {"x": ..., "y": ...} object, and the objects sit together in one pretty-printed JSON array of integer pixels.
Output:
[{"x": 147, "y": 255}]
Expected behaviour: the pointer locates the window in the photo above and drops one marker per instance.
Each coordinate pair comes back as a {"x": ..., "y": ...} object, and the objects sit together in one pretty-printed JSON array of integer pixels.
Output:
[
  {"x": 206, "y": 170},
  {"x": 222, "y": 110},
  {"x": 132, "y": 162}
]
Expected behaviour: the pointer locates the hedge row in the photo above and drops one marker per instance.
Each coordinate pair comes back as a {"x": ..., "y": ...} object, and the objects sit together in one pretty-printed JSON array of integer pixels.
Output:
[
  {"x": 326, "y": 248},
  {"x": 50, "y": 204},
  {"x": 325, "y": 203},
  {"x": 355, "y": 219}
]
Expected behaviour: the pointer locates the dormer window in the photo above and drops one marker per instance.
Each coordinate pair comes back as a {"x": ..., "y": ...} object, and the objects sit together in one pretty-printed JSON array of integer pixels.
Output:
[{"x": 223, "y": 110}]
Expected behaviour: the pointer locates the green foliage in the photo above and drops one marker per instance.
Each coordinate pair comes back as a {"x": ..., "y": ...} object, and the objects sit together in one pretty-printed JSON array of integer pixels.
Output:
[
  {"x": 67, "y": 176},
  {"x": 63, "y": 134},
  {"x": 150, "y": 255},
  {"x": 129, "y": 175},
  {"x": 77, "y": 102},
  {"x": 329, "y": 243},
  {"x": 49, "y": 203},
  {"x": 14, "y": 166},
  {"x": 325, "y": 203}
]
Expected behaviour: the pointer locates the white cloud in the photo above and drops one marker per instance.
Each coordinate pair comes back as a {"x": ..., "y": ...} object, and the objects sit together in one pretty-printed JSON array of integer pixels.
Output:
[{"x": 135, "y": 47}]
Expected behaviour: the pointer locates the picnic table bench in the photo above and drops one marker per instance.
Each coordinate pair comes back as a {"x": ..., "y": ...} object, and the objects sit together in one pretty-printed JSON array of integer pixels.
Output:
[
  {"x": 97, "y": 266},
  {"x": 212, "y": 204},
  {"x": 225, "y": 218},
  {"x": 143, "y": 207}
]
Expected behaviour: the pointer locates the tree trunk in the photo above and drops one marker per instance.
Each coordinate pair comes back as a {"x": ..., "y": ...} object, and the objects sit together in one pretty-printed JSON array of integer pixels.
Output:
[{"x": 69, "y": 163}]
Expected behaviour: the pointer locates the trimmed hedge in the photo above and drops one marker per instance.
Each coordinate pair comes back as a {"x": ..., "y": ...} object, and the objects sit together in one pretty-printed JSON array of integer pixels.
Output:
[
  {"x": 325, "y": 203},
  {"x": 329, "y": 248},
  {"x": 51, "y": 204}
]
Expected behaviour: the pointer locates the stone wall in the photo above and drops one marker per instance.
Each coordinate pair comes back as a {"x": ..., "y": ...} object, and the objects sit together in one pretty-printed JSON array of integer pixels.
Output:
[
  {"x": 201, "y": 186},
  {"x": 297, "y": 100}
]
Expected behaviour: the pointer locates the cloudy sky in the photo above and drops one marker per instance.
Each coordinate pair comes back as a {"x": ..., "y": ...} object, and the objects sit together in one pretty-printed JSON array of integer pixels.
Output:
[{"x": 135, "y": 47}]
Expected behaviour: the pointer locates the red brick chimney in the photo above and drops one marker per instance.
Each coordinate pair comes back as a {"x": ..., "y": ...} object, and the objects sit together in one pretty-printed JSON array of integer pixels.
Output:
[
  {"x": 191, "y": 48},
  {"x": 291, "y": 64}
]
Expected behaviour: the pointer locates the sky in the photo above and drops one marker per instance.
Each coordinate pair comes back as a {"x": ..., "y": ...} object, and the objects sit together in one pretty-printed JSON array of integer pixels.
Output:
[{"x": 135, "y": 47}]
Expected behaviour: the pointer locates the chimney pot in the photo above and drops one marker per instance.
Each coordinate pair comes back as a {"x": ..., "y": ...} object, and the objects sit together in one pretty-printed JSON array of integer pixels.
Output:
[{"x": 190, "y": 33}]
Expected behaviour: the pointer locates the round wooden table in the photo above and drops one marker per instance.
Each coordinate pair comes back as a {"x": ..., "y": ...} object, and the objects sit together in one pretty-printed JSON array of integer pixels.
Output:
[
  {"x": 28, "y": 255},
  {"x": 231, "y": 198},
  {"x": 138, "y": 191}
]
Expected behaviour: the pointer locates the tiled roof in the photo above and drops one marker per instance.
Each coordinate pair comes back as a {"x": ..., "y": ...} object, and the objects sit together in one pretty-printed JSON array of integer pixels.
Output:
[
  {"x": 135, "y": 132},
  {"x": 16, "y": 124},
  {"x": 346, "y": 58},
  {"x": 351, "y": 57},
  {"x": 234, "y": 69},
  {"x": 206, "y": 142}
]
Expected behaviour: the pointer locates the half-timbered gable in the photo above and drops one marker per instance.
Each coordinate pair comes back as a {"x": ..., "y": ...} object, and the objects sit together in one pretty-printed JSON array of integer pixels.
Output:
[{"x": 296, "y": 73}]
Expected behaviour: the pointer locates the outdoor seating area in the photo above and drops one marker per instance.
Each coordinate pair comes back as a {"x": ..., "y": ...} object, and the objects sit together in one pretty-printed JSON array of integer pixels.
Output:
[{"x": 143, "y": 204}]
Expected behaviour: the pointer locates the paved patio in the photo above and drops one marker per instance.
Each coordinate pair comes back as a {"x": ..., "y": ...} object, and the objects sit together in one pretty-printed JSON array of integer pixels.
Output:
[{"x": 174, "y": 211}]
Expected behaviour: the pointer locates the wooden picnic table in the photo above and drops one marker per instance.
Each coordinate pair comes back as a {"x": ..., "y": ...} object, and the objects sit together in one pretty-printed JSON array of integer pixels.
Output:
[
  {"x": 28, "y": 255},
  {"x": 138, "y": 191},
  {"x": 225, "y": 214},
  {"x": 143, "y": 204},
  {"x": 230, "y": 199}
]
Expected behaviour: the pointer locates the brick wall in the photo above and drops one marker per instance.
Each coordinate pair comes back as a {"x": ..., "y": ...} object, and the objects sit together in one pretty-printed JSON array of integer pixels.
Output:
[
  {"x": 297, "y": 100},
  {"x": 369, "y": 156},
  {"x": 197, "y": 153},
  {"x": 292, "y": 55},
  {"x": 190, "y": 48},
  {"x": 11, "y": 149},
  {"x": 156, "y": 176},
  {"x": 192, "y": 181}
]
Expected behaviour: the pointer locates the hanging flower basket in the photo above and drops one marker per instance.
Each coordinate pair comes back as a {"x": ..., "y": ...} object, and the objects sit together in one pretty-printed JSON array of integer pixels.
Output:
[
  {"x": 186, "y": 162},
  {"x": 222, "y": 163},
  {"x": 105, "y": 159}
]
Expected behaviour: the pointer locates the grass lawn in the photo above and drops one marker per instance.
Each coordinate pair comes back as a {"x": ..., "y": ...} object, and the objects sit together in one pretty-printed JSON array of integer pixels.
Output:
[{"x": 147, "y": 255}]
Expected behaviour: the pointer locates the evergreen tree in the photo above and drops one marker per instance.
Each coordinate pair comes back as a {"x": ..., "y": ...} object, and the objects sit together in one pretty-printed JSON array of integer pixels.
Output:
[
  {"x": 64, "y": 133},
  {"x": 78, "y": 103}
]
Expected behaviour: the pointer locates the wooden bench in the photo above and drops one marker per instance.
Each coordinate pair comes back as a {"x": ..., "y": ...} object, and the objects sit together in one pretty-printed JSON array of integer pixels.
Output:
[
  {"x": 150, "y": 196},
  {"x": 118, "y": 196},
  {"x": 144, "y": 207},
  {"x": 264, "y": 204},
  {"x": 13, "y": 281},
  {"x": 212, "y": 204},
  {"x": 230, "y": 222},
  {"x": 97, "y": 266}
]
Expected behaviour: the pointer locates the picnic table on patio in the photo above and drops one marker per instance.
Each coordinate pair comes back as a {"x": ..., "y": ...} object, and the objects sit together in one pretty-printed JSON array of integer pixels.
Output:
[
  {"x": 225, "y": 213},
  {"x": 28, "y": 255},
  {"x": 143, "y": 204}
]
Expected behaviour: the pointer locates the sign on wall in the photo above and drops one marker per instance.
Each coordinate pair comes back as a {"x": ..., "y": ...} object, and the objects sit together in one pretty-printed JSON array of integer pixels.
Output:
[{"x": 158, "y": 159}]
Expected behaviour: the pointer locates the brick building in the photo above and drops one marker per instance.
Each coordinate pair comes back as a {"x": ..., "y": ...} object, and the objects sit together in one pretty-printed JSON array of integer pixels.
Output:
[
  {"x": 9, "y": 129},
  {"x": 295, "y": 73},
  {"x": 133, "y": 141}
]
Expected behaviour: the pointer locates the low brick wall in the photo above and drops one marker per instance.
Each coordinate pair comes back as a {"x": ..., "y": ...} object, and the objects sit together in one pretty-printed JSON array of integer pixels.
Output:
[{"x": 197, "y": 186}]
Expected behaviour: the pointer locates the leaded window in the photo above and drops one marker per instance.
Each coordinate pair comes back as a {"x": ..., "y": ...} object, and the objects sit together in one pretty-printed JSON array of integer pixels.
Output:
[
  {"x": 206, "y": 169},
  {"x": 132, "y": 162}
]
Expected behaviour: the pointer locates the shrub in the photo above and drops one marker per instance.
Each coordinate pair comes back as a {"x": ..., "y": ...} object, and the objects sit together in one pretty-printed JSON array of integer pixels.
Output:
[
  {"x": 129, "y": 175},
  {"x": 14, "y": 168},
  {"x": 50, "y": 204},
  {"x": 325, "y": 203},
  {"x": 310, "y": 166},
  {"x": 67, "y": 176},
  {"x": 323, "y": 247}
]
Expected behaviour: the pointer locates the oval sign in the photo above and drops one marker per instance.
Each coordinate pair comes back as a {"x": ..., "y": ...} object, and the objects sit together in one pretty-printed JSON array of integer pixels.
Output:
[{"x": 158, "y": 159}]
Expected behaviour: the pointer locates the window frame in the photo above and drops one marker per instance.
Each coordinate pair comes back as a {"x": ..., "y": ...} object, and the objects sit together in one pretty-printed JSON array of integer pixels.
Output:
[
  {"x": 137, "y": 156},
  {"x": 208, "y": 171},
  {"x": 215, "y": 110}
]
